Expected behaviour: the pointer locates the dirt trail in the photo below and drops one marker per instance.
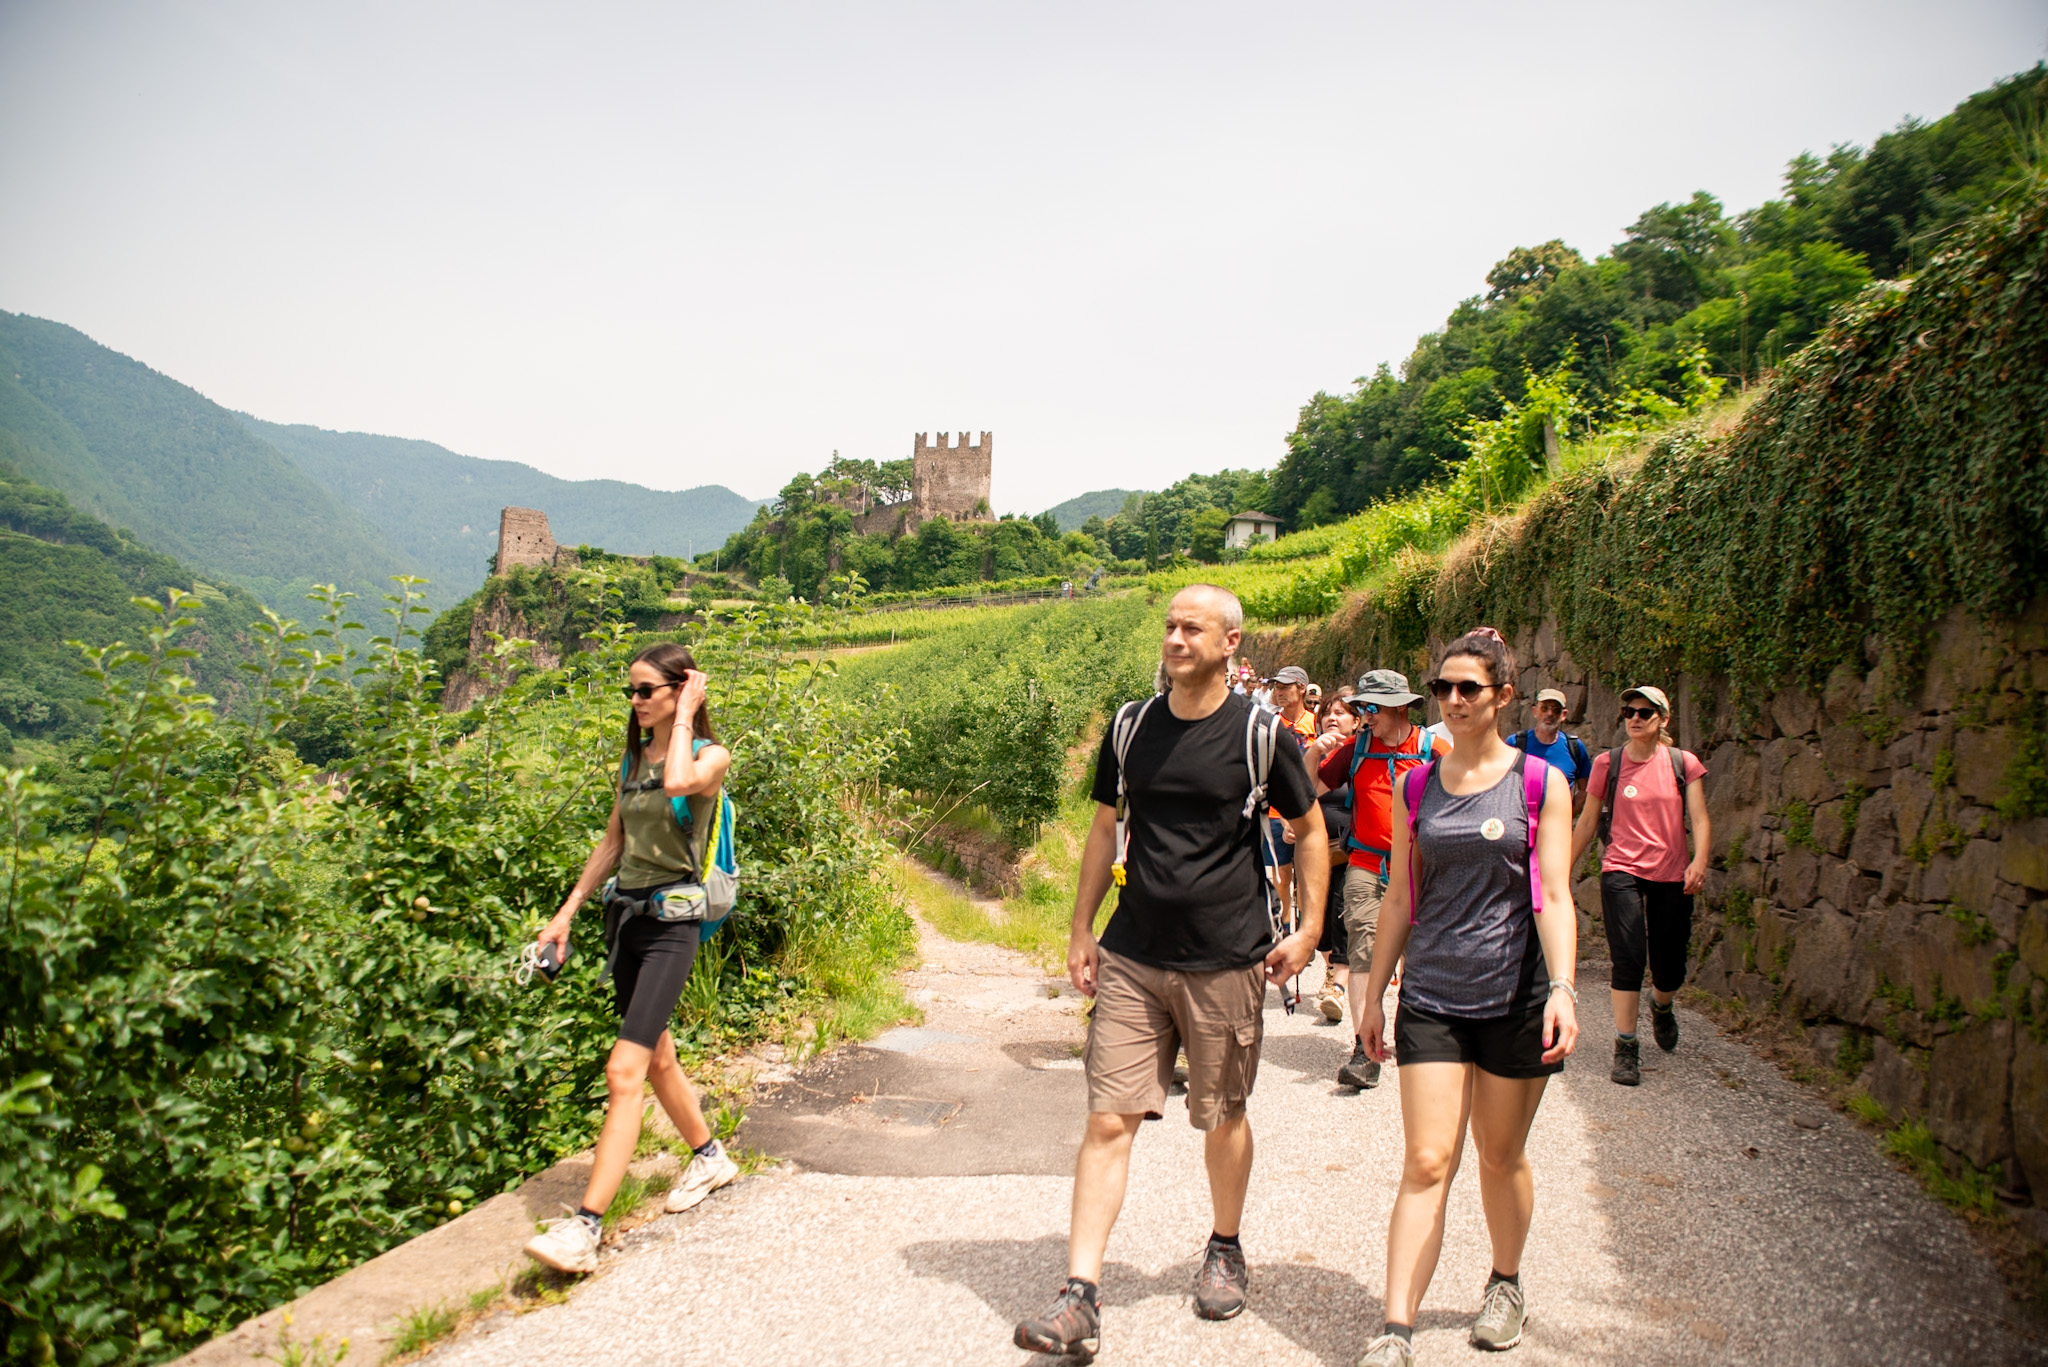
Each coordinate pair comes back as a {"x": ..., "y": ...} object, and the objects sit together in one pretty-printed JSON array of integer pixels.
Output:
[{"x": 1696, "y": 1219}]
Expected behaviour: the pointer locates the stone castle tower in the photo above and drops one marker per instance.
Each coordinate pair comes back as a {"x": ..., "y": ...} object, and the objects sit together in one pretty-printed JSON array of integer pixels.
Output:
[
  {"x": 951, "y": 481},
  {"x": 525, "y": 539}
]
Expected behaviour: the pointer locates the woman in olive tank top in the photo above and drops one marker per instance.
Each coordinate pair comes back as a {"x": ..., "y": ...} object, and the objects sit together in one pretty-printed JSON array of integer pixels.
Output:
[
  {"x": 671, "y": 752},
  {"x": 1488, "y": 998}
]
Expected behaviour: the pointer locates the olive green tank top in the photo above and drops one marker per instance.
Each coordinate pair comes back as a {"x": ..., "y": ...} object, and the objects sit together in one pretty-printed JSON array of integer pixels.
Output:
[{"x": 659, "y": 850}]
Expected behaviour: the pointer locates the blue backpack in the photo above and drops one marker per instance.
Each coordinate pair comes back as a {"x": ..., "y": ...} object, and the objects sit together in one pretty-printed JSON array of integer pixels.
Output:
[
  {"x": 1424, "y": 749},
  {"x": 717, "y": 859},
  {"x": 1582, "y": 762}
]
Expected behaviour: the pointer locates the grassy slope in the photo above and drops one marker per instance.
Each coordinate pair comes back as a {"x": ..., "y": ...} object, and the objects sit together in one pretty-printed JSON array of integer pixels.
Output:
[
  {"x": 141, "y": 451},
  {"x": 440, "y": 509},
  {"x": 70, "y": 577}
]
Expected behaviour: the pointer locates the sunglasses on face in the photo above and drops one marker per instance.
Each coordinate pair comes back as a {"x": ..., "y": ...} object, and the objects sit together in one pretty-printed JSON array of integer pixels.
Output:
[
  {"x": 1468, "y": 689},
  {"x": 1639, "y": 713},
  {"x": 645, "y": 691}
]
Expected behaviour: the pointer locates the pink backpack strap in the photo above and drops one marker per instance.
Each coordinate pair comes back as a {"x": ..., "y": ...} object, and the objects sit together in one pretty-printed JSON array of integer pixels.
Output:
[
  {"x": 1535, "y": 773},
  {"x": 1413, "y": 784}
]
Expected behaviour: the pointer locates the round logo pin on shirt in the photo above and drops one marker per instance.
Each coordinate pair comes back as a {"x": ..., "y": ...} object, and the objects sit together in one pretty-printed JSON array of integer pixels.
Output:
[
  {"x": 1629, "y": 791},
  {"x": 1492, "y": 828}
]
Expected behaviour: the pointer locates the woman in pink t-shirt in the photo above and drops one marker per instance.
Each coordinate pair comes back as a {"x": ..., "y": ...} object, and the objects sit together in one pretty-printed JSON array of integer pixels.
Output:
[{"x": 1646, "y": 879}]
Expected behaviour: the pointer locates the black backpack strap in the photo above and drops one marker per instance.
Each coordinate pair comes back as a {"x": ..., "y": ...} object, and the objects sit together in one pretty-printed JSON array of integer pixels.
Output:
[
  {"x": 1613, "y": 787},
  {"x": 1581, "y": 761}
]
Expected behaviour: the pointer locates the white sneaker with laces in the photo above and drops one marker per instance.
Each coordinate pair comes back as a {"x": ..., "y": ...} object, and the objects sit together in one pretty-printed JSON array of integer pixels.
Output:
[
  {"x": 565, "y": 1245},
  {"x": 707, "y": 1173}
]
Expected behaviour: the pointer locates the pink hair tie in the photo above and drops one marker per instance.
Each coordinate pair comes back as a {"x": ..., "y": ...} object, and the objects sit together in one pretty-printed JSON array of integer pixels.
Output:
[{"x": 1489, "y": 633}]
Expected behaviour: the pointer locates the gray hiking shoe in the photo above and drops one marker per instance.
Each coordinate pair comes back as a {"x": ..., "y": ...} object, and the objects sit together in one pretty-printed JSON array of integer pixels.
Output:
[
  {"x": 1361, "y": 1072},
  {"x": 1223, "y": 1283},
  {"x": 1388, "y": 1350},
  {"x": 1664, "y": 1025},
  {"x": 1628, "y": 1062},
  {"x": 1502, "y": 1316},
  {"x": 1072, "y": 1328}
]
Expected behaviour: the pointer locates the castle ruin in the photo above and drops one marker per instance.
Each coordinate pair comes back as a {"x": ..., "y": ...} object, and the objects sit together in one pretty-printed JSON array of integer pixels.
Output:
[
  {"x": 951, "y": 481},
  {"x": 525, "y": 539}
]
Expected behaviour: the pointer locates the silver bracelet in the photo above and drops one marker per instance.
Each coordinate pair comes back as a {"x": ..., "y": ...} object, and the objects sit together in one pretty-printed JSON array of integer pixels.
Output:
[{"x": 1569, "y": 990}]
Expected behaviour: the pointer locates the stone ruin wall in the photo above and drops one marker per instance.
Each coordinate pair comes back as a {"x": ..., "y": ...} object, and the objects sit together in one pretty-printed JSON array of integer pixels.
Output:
[
  {"x": 1864, "y": 887},
  {"x": 951, "y": 481},
  {"x": 524, "y": 538}
]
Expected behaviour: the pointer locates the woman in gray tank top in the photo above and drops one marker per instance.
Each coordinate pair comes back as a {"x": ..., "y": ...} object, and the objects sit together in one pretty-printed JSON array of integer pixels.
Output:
[{"x": 1488, "y": 999}]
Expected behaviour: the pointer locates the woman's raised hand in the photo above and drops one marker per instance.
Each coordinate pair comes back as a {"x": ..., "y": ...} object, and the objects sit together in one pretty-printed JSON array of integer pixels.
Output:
[{"x": 690, "y": 696}]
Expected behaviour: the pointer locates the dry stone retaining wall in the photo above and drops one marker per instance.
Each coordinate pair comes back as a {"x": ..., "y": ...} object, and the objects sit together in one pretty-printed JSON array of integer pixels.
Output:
[{"x": 1865, "y": 883}]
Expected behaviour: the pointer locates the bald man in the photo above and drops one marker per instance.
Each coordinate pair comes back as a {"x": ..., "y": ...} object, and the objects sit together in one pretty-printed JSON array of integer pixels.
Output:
[{"x": 1186, "y": 957}]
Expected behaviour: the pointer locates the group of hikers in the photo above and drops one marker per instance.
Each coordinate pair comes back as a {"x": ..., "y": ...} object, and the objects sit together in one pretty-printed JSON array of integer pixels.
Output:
[{"x": 1249, "y": 824}]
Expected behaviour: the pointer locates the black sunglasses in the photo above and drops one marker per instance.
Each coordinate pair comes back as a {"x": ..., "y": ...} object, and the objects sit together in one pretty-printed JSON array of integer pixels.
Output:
[
  {"x": 1467, "y": 689},
  {"x": 1639, "y": 713},
  {"x": 645, "y": 691}
]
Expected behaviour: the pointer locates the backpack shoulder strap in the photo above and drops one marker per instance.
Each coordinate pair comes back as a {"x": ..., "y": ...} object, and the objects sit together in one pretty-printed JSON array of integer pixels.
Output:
[
  {"x": 1122, "y": 731},
  {"x": 1520, "y": 740},
  {"x": 1580, "y": 759},
  {"x": 1613, "y": 787},
  {"x": 1535, "y": 774},
  {"x": 1413, "y": 785},
  {"x": 1678, "y": 777}
]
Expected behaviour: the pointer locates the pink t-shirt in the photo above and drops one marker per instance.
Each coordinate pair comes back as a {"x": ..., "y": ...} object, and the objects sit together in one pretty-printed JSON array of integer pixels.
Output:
[{"x": 1648, "y": 835}]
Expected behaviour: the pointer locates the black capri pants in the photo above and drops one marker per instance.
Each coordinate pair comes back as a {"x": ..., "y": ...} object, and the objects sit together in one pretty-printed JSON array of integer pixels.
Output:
[
  {"x": 1335, "y": 941},
  {"x": 1646, "y": 920},
  {"x": 653, "y": 962}
]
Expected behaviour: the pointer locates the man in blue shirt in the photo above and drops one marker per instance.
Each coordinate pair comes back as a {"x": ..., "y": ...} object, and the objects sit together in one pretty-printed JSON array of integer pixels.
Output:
[{"x": 1548, "y": 742}]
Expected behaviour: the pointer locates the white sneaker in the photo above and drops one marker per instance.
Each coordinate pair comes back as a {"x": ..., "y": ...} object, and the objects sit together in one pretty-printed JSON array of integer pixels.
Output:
[
  {"x": 707, "y": 1173},
  {"x": 565, "y": 1245}
]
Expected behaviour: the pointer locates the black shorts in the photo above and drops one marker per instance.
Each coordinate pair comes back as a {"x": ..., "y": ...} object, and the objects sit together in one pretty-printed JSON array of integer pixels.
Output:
[
  {"x": 1506, "y": 1046},
  {"x": 653, "y": 962}
]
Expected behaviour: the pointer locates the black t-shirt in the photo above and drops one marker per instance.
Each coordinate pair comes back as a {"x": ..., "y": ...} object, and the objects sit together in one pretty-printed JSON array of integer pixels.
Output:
[{"x": 1194, "y": 895}]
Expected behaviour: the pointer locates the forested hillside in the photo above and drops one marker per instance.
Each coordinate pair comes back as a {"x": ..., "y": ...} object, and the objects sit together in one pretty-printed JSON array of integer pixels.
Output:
[
  {"x": 182, "y": 474},
  {"x": 1099, "y": 503},
  {"x": 70, "y": 577},
  {"x": 1688, "y": 279},
  {"x": 439, "y": 510}
]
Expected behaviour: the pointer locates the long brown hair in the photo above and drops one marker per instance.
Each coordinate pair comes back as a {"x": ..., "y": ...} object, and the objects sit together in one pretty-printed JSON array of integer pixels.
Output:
[{"x": 674, "y": 661}]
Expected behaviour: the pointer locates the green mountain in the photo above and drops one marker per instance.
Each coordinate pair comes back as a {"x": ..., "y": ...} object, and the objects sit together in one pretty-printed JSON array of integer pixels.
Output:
[
  {"x": 1102, "y": 503},
  {"x": 70, "y": 576},
  {"x": 441, "y": 509},
  {"x": 139, "y": 450}
]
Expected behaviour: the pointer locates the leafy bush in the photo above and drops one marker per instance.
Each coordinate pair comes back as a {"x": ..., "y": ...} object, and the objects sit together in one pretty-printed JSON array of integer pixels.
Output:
[{"x": 259, "y": 1027}]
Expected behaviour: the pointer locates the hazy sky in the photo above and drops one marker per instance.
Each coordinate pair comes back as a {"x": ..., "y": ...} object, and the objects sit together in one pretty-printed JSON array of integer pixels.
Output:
[{"x": 685, "y": 244}]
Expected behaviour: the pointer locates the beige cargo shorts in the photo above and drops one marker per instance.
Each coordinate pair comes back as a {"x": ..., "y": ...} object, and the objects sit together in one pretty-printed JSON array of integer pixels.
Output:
[{"x": 1144, "y": 1015}]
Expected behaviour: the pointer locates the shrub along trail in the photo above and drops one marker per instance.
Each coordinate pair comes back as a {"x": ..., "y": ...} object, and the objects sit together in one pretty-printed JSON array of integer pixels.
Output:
[{"x": 924, "y": 1210}]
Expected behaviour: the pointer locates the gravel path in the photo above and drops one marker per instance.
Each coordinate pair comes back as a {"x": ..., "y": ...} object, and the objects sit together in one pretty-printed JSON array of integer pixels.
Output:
[{"x": 1691, "y": 1220}]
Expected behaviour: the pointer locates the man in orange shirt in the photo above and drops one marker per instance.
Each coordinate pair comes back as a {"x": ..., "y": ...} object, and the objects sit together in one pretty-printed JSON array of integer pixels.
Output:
[
  {"x": 1388, "y": 744},
  {"x": 1289, "y": 689}
]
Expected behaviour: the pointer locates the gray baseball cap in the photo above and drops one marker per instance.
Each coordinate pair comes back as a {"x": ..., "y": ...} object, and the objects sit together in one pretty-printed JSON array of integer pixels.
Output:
[
  {"x": 1290, "y": 674},
  {"x": 1387, "y": 687}
]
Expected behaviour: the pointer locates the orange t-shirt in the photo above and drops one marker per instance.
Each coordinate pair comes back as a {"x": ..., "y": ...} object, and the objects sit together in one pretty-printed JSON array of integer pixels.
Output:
[
  {"x": 1372, "y": 796},
  {"x": 1305, "y": 728}
]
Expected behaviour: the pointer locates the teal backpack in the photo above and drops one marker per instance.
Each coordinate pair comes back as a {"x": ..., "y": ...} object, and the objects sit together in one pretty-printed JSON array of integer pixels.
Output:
[{"x": 720, "y": 861}]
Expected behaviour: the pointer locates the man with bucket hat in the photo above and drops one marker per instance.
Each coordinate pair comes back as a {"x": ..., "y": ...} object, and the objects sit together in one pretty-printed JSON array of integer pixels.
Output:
[{"x": 1387, "y": 745}]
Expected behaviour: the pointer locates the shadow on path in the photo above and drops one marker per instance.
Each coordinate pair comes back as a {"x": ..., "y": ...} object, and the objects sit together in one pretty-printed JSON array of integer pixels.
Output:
[{"x": 1324, "y": 1311}]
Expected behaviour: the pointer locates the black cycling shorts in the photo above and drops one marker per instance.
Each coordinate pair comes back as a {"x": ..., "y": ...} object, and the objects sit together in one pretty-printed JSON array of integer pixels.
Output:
[
  {"x": 653, "y": 962},
  {"x": 1335, "y": 942},
  {"x": 1506, "y": 1046}
]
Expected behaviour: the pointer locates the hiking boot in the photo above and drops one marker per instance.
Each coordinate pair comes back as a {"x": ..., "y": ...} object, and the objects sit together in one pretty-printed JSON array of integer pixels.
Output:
[
  {"x": 1073, "y": 1325},
  {"x": 1664, "y": 1025},
  {"x": 1628, "y": 1062},
  {"x": 566, "y": 1245},
  {"x": 707, "y": 1173},
  {"x": 1388, "y": 1350},
  {"x": 1223, "y": 1282},
  {"x": 1502, "y": 1315},
  {"x": 1330, "y": 1001},
  {"x": 1361, "y": 1072}
]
